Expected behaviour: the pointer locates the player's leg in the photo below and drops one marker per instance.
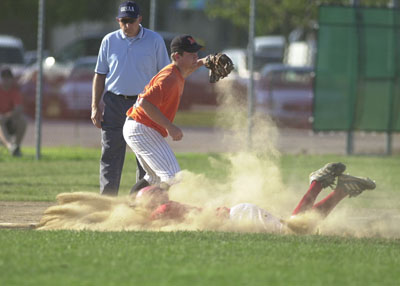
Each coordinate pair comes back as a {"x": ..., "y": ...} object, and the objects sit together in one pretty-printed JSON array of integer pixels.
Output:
[
  {"x": 133, "y": 137},
  {"x": 19, "y": 124},
  {"x": 347, "y": 185},
  {"x": 143, "y": 182},
  {"x": 309, "y": 198},
  {"x": 140, "y": 172},
  {"x": 153, "y": 152},
  {"x": 326, "y": 205},
  {"x": 5, "y": 135},
  {"x": 318, "y": 180},
  {"x": 158, "y": 156}
]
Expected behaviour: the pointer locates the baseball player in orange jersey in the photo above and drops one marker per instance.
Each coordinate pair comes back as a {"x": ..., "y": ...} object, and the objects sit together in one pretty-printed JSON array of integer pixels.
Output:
[
  {"x": 156, "y": 200},
  {"x": 150, "y": 119}
]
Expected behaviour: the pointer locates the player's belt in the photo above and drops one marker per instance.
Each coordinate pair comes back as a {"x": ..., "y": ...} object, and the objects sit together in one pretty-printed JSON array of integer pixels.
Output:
[{"x": 127, "y": 97}]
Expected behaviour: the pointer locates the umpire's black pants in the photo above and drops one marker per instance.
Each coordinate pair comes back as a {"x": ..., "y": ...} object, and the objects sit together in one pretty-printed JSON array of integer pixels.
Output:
[{"x": 113, "y": 143}]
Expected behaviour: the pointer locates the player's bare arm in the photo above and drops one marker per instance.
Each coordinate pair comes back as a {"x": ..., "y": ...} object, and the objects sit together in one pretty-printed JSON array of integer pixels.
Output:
[
  {"x": 97, "y": 92},
  {"x": 201, "y": 62},
  {"x": 220, "y": 65},
  {"x": 158, "y": 117}
]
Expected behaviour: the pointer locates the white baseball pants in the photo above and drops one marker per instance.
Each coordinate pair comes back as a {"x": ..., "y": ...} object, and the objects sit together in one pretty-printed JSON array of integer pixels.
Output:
[{"x": 152, "y": 151}]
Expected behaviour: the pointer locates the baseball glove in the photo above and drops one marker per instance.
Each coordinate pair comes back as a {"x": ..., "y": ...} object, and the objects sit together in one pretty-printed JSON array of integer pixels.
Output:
[{"x": 220, "y": 66}]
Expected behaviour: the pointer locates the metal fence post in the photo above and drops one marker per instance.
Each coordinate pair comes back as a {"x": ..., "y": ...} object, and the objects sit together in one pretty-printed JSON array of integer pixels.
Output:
[
  {"x": 39, "y": 79},
  {"x": 250, "y": 86},
  {"x": 153, "y": 9},
  {"x": 350, "y": 134},
  {"x": 394, "y": 4}
]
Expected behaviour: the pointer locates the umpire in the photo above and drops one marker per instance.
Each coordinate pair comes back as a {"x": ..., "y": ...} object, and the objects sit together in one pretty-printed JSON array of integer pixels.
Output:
[{"x": 128, "y": 59}]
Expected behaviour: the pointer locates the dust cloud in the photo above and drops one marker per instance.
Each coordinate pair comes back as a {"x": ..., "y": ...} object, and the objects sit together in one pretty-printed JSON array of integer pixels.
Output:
[{"x": 252, "y": 177}]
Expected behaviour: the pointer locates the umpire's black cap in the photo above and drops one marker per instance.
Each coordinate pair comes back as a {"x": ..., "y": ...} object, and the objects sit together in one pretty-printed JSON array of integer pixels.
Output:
[
  {"x": 128, "y": 9},
  {"x": 185, "y": 43}
]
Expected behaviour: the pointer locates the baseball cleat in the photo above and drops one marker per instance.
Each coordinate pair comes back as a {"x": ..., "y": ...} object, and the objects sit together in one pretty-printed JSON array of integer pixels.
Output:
[
  {"x": 327, "y": 174},
  {"x": 353, "y": 186}
]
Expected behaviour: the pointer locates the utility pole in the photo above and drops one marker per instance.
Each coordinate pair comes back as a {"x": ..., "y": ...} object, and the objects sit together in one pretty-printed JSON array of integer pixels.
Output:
[
  {"x": 153, "y": 9},
  {"x": 394, "y": 4},
  {"x": 350, "y": 133},
  {"x": 250, "y": 86},
  {"x": 39, "y": 79}
]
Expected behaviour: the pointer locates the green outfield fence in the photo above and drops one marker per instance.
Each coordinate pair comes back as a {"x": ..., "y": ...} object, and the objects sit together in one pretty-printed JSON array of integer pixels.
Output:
[{"x": 357, "y": 85}]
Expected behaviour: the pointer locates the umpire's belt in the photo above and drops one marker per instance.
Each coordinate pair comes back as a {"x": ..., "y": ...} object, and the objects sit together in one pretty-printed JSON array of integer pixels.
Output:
[{"x": 127, "y": 97}]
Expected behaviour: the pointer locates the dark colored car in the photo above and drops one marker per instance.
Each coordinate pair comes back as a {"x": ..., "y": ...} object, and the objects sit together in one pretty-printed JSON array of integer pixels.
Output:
[
  {"x": 75, "y": 94},
  {"x": 285, "y": 93},
  {"x": 198, "y": 90},
  {"x": 52, "y": 80},
  {"x": 70, "y": 97},
  {"x": 83, "y": 47}
]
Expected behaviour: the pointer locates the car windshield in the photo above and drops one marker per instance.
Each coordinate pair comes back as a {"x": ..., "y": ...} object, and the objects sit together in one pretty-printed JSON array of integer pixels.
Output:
[
  {"x": 79, "y": 48},
  {"x": 291, "y": 78},
  {"x": 10, "y": 55},
  {"x": 83, "y": 70},
  {"x": 259, "y": 61}
]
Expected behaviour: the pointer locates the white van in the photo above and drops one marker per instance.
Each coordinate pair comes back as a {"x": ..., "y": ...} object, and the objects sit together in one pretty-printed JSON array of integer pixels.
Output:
[
  {"x": 11, "y": 50},
  {"x": 12, "y": 53},
  {"x": 272, "y": 48}
]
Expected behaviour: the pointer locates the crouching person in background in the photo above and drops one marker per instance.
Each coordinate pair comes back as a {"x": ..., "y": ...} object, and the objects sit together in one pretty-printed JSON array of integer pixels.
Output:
[{"x": 12, "y": 120}]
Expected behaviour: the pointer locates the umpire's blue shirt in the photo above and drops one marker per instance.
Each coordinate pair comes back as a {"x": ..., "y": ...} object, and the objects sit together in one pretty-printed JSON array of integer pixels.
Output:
[{"x": 130, "y": 63}]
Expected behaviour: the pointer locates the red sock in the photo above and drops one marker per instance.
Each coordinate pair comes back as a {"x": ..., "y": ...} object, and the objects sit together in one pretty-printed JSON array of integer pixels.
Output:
[
  {"x": 309, "y": 198},
  {"x": 326, "y": 205}
]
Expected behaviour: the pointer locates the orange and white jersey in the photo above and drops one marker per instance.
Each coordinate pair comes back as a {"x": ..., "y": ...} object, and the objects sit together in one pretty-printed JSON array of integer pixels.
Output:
[{"x": 164, "y": 91}]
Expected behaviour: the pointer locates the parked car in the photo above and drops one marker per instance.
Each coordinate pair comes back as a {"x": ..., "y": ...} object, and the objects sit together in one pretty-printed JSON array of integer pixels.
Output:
[
  {"x": 285, "y": 93},
  {"x": 12, "y": 54},
  {"x": 269, "y": 49},
  {"x": 63, "y": 96},
  {"x": 82, "y": 47},
  {"x": 50, "y": 95},
  {"x": 198, "y": 90},
  {"x": 235, "y": 85},
  {"x": 76, "y": 92}
]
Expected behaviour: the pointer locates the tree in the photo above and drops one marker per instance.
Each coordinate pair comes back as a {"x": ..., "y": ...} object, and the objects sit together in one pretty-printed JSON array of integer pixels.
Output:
[{"x": 275, "y": 16}]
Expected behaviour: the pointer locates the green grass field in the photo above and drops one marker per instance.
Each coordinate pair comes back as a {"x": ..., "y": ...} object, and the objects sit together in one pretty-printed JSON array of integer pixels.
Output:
[
  {"x": 29, "y": 257},
  {"x": 194, "y": 258}
]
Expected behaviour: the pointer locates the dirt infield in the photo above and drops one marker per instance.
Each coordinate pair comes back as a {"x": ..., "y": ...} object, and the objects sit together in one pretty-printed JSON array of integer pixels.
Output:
[{"x": 22, "y": 212}]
